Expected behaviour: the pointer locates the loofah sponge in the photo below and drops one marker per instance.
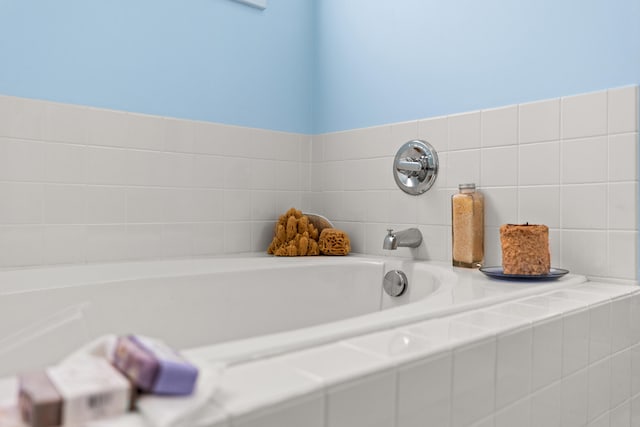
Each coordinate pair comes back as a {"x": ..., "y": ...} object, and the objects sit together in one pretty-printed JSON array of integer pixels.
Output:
[
  {"x": 334, "y": 242},
  {"x": 294, "y": 235}
]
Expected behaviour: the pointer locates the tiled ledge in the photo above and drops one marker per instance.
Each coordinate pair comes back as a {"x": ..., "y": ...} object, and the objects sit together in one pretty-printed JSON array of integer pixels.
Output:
[{"x": 570, "y": 355}]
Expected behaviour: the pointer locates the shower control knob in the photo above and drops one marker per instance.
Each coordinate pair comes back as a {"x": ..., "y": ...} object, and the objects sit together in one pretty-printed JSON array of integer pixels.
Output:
[{"x": 395, "y": 283}]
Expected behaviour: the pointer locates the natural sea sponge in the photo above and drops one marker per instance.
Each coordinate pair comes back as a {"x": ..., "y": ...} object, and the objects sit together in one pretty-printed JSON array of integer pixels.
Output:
[
  {"x": 294, "y": 235},
  {"x": 334, "y": 242}
]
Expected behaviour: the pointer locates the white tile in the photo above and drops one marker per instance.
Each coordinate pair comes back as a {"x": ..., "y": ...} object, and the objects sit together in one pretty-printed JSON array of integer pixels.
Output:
[
  {"x": 490, "y": 321},
  {"x": 263, "y": 174},
  {"x": 599, "y": 388},
  {"x": 375, "y": 174},
  {"x": 553, "y": 305},
  {"x": 336, "y": 363},
  {"x": 317, "y": 148},
  {"x": 251, "y": 386},
  {"x": 237, "y": 173},
  {"x": 435, "y": 131},
  {"x": 106, "y": 165},
  {"x": 434, "y": 207},
  {"x": 65, "y": 123},
  {"x": 353, "y": 206},
  {"x": 623, "y": 201},
  {"x": 179, "y": 135},
  {"x": 446, "y": 332},
  {"x": 424, "y": 391},
  {"x": 307, "y": 411},
  {"x": 261, "y": 235},
  {"x": 592, "y": 262},
  {"x": 5, "y": 109},
  {"x": 584, "y": 115},
  {"x": 404, "y": 208},
  {"x": 405, "y": 131},
  {"x": 144, "y": 241},
  {"x": 635, "y": 370},
  {"x": 289, "y": 199},
  {"x": 575, "y": 295},
  {"x": 500, "y": 206},
  {"x": 539, "y": 164},
  {"x": 178, "y": 170},
  {"x": 499, "y": 167},
  {"x": 623, "y": 109},
  {"x": 601, "y": 421},
  {"x": 64, "y": 244},
  {"x": 621, "y": 415},
  {"x": 620, "y": 377},
  {"x": 21, "y": 160},
  {"x": 500, "y": 126},
  {"x": 539, "y": 121},
  {"x": 635, "y": 319},
  {"x": 464, "y": 167},
  {"x": 208, "y": 171},
  {"x": 620, "y": 324},
  {"x": 146, "y": 204},
  {"x": 64, "y": 204},
  {"x": 575, "y": 398},
  {"x": 377, "y": 206},
  {"x": 464, "y": 131},
  {"x": 237, "y": 237},
  {"x": 263, "y": 205},
  {"x": 237, "y": 205},
  {"x": 22, "y": 203},
  {"x": 26, "y": 118},
  {"x": 539, "y": 205},
  {"x": 635, "y": 411},
  {"x": 208, "y": 238},
  {"x": 178, "y": 205},
  {"x": 208, "y": 204},
  {"x": 575, "y": 345},
  {"x": 473, "y": 392},
  {"x": 367, "y": 402},
  {"x": 599, "y": 331},
  {"x": 583, "y": 160},
  {"x": 145, "y": 132},
  {"x": 546, "y": 407},
  {"x": 288, "y": 176},
  {"x": 623, "y": 153},
  {"x": 105, "y": 204},
  {"x": 107, "y": 128},
  {"x": 394, "y": 345},
  {"x": 21, "y": 246},
  {"x": 64, "y": 163},
  {"x": 106, "y": 243},
  {"x": 145, "y": 168},
  {"x": 518, "y": 414},
  {"x": 547, "y": 353},
  {"x": 435, "y": 246},
  {"x": 607, "y": 289},
  {"x": 177, "y": 240},
  {"x": 584, "y": 206},
  {"x": 513, "y": 366}
]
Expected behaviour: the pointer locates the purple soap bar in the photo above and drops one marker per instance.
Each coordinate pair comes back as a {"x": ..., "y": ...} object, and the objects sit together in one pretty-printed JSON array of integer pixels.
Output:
[{"x": 154, "y": 367}]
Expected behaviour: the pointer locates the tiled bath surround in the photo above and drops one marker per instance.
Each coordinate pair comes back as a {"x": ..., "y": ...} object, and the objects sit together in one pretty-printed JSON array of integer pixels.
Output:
[
  {"x": 570, "y": 163},
  {"x": 569, "y": 357},
  {"x": 80, "y": 184}
]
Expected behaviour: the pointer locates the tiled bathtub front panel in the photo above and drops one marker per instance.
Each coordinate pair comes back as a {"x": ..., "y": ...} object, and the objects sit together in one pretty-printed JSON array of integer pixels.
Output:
[
  {"x": 570, "y": 163},
  {"x": 81, "y": 184},
  {"x": 566, "y": 358}
]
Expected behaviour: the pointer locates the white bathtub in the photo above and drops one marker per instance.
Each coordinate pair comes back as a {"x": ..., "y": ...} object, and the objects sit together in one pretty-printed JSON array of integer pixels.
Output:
[{"x": 228, "y": 308}]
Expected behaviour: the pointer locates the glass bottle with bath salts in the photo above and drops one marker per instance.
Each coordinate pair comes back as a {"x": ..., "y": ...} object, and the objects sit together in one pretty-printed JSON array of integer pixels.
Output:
[{"x": 467, "y": 227}]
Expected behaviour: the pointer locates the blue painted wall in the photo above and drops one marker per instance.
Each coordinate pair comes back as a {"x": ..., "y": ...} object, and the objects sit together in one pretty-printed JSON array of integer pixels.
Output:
[
  {"x": 382, "y": 61},
  {"x": 214, "y": 60},
  {"x": 314, "y": 65}
]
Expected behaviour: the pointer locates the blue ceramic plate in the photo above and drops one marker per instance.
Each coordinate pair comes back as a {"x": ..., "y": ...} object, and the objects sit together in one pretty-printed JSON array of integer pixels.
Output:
[{"x": 496, "y": 273}]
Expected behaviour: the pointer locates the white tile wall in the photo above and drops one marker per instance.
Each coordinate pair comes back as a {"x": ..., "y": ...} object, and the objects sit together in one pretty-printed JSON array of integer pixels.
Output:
[
  {"x": 82, "y": 184},
  {"x": 570, "y": 163}
]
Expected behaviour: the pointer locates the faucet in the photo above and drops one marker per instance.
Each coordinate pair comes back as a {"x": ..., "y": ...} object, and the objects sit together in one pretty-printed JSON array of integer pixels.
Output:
[{"x": 410, "y": 238}]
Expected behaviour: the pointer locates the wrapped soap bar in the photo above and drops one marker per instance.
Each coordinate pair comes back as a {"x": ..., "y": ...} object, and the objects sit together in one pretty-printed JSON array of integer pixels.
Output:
[
  {"x": 72, "y": 394},
  {"x": 154, "y": 367}
]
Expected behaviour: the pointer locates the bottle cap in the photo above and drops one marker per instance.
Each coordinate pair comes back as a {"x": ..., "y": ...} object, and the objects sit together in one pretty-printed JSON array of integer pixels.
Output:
[{"x": 469, "y": 186}]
